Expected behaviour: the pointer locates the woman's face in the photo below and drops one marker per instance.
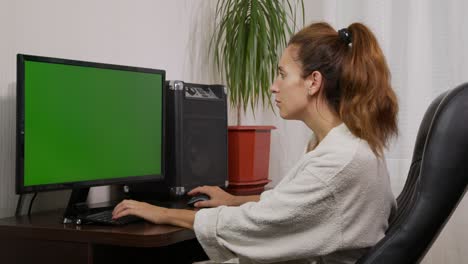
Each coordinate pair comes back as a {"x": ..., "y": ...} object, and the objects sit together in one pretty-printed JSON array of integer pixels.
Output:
[{"x": 289, "y": 88}]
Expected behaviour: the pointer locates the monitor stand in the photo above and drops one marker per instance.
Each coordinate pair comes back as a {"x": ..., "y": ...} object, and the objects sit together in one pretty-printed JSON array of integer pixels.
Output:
[{"x": 76, "y": 205}]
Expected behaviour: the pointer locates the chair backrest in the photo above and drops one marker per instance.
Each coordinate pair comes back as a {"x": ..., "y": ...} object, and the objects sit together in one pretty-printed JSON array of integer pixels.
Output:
[{"x": 436, "y": 182}]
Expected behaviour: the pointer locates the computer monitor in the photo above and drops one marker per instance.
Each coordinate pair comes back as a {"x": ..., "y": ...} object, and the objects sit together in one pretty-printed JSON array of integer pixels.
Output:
[{"x": 83, "y": 124}]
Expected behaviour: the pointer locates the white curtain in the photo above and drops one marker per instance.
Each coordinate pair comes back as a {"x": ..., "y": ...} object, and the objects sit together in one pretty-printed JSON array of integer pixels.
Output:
[{"x": 425, "y": 43}]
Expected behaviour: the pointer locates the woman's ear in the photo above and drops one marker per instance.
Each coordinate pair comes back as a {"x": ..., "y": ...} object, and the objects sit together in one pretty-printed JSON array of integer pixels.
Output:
[{"x": 313, "y": 83}]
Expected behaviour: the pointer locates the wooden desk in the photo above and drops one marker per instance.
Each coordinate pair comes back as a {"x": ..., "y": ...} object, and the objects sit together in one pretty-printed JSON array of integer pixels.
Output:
[{"x": 41, "y": 238}]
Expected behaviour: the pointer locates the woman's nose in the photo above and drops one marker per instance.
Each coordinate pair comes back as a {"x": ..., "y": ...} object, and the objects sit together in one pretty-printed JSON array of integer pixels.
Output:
[{"x": 274, "y": 88}]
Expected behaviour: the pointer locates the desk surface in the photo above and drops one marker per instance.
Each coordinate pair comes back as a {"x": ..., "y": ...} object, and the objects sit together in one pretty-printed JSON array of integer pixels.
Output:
[{"x": 48, "y": 225}]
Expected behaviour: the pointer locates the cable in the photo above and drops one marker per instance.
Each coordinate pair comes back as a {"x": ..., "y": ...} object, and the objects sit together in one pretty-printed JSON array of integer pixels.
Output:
[
  {"x": 19, "y": 205},
  {"x": 31, "y": 203}
]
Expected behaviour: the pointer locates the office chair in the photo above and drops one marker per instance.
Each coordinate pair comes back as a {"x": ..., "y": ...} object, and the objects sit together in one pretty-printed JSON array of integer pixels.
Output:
[{"x": 436, "y": 182}]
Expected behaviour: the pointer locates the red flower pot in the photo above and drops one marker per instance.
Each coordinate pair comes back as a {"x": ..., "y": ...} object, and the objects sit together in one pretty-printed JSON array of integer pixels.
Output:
[{"x": 249, "y": 156}]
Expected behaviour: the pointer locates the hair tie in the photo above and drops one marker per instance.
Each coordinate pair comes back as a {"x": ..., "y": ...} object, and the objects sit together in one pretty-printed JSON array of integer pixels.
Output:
[{"x": 345, "y": 35}]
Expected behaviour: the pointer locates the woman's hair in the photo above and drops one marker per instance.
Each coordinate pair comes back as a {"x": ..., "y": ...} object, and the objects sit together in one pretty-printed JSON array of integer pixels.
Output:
[{"x": 356, "y": 78}]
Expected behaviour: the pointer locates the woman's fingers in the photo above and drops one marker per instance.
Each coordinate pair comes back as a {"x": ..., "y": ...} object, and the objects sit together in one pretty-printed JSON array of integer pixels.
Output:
[
  {"x": 124, "y": 212},
  {"x": 118, "y": 207},
  {"x": 151, "y": 213},
  {"x": 201, "y": 189},
  {"x": 124, "y": 205},
  {"x": 194, "y": 191}
]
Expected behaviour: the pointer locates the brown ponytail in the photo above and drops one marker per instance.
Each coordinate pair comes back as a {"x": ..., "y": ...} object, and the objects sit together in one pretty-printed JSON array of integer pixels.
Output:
[{"x": 357, "y": 79}]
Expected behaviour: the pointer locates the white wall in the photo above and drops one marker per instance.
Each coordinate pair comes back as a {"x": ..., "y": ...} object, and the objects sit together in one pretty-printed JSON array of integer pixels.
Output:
[{"x": 170, "y": 35}]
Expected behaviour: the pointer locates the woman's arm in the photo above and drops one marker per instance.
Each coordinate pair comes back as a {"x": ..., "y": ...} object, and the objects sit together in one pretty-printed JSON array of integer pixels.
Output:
[
  {"x": 180, "y": 217},
  {"x": 240, "y": 200},
  {"x": 219, "y": 197}
]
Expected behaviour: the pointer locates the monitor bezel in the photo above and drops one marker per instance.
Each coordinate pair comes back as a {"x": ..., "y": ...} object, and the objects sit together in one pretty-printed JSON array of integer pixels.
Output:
[{"x": 20, "y": 129}]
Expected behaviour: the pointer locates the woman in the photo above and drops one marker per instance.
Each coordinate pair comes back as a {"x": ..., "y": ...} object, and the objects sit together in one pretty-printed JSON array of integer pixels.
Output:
[{"x": 335, "y": 202}]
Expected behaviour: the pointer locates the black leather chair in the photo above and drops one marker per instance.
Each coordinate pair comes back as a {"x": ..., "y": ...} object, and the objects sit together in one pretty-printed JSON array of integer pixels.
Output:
[{"x": 436, "y": 182}]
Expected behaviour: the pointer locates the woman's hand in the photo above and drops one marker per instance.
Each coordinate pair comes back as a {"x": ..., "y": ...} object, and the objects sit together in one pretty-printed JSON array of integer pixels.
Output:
[
  {"x": 217, "y": 196},
  {"x": 151, "y": 213},
  {"x": 155, "y": 214}
]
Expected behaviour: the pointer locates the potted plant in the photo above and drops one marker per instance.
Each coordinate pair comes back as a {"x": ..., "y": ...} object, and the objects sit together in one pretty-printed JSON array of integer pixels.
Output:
[{"x": 248, "y": 39}]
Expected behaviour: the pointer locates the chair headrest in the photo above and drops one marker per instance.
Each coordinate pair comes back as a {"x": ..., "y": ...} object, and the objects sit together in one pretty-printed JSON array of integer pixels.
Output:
[{"x": 425, "y": 125}]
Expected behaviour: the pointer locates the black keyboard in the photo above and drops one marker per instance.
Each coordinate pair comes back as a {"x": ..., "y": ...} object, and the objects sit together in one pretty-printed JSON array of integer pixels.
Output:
[{"x": 105, "y": 217}]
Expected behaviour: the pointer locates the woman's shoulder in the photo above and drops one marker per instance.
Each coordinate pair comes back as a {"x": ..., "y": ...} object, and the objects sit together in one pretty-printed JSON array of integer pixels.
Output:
[{"x": 337, "y": 151}]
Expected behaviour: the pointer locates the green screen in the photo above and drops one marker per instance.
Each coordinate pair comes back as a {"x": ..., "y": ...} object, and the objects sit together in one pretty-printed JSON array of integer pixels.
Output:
[{"x": 85, "y": 123}]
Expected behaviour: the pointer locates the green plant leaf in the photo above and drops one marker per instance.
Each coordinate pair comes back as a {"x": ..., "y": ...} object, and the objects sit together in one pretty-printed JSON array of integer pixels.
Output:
[{"x": 248, "y": 37}]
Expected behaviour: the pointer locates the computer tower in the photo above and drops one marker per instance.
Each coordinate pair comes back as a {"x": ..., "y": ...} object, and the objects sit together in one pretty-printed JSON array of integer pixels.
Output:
[
  {"x": 196, "y": 136},
  {"x": 196, "y": 141}
]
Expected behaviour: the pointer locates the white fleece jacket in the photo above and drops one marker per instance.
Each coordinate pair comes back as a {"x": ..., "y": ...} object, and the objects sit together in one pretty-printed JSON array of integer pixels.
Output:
[{"x": 330, "y": 207}]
